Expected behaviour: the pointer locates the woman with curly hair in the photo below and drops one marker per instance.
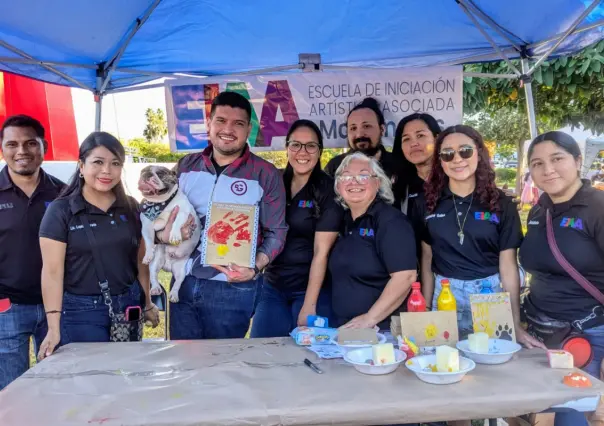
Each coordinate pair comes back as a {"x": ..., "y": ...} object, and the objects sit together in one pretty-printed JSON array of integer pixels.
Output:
[{"x": 471, "y": 230}]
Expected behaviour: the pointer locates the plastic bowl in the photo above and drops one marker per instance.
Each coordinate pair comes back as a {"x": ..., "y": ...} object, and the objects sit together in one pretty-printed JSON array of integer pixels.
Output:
[
  {"x": 420, "y": 366},
  {"x": 500, "y": 351},
  {"x": 358, "y": 358},
  {"x": 346, "y": 348}
]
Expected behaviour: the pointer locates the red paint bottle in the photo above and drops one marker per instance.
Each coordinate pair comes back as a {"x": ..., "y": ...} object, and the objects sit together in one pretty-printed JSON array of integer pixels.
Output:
[{"x": 416, "y": 301}]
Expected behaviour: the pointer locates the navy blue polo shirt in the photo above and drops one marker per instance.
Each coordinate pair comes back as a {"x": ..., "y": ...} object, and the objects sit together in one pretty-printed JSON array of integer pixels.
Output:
[
  {"x": 486, "y": 234},
  {"x": 313, "y": 209},
  {"x": 20, "y": 256},
  {"x": 117, "y": 233},
  {"x": 369, "y": 249},
  {"x": 579, "y": 231}
]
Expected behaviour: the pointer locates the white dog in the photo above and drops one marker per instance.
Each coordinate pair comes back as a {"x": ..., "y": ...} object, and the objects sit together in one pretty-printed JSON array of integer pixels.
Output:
[{"x": 159, "y": 186}]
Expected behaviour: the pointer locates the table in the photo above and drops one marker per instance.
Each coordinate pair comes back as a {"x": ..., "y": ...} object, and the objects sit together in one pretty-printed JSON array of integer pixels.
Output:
[{"x": 262, "y": 382}]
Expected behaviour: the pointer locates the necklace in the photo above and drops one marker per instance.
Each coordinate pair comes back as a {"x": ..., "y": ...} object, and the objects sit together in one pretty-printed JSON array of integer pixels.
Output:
[{"x": 460, "y": 234}]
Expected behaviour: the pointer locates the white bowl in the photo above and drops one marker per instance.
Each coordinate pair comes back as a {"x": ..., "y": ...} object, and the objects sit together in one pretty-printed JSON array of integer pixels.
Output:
[
  {"x": 420, "y": 366},
  {"x": 346, "y": 348},
  {"x": 500, "y": 351},
  {"x": 358, "y": 358}
]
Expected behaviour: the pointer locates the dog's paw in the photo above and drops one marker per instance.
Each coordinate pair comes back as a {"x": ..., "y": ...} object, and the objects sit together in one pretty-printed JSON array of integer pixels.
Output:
[
  {"x": 174, "y": 296},
  {"x": 148, "y": 258},
  {"x": 175, "y": 237},
  {"x": 155, "y": 290}
]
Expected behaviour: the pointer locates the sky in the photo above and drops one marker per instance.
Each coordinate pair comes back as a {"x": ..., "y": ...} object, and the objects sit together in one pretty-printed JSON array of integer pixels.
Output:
[{"x": 123, "y": 113}]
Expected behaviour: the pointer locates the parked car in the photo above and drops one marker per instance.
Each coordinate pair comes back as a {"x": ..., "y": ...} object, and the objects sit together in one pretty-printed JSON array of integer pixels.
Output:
[{"x": 511, "y": 165}]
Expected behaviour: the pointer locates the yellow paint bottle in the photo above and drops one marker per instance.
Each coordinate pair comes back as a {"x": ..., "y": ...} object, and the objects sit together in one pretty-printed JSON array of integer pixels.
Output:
[{"x": 446, "y": 300}]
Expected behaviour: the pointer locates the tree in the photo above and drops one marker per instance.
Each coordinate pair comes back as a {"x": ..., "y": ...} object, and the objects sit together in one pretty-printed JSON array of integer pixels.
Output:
[
  {"x": 156, "y": 127},
  {"x": 159, "y": 151},
  {"x": 566, "y": 91}
]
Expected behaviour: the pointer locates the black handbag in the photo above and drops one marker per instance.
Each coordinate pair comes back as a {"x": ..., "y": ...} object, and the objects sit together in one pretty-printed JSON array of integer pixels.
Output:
[{"x": 121, "y": 330}]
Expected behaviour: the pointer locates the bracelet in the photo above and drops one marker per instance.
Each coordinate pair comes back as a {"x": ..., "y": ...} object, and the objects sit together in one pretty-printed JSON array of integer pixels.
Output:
[
  {"x": 52, "y": 312},
  {"x": 149, "y": 309}
]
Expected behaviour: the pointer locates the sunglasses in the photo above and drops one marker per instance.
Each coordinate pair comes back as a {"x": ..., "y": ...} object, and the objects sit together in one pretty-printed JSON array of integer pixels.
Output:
[
  {"x": 448, "y": 154},
  {"x": 360, "y": 179},
  {"x": 311, "y": 147}
]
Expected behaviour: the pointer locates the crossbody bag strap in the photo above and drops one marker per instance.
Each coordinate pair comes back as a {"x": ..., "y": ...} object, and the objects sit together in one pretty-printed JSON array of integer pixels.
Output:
[
  {"x": 570, "y": 270},
  {"x": 98, "y": 265}
]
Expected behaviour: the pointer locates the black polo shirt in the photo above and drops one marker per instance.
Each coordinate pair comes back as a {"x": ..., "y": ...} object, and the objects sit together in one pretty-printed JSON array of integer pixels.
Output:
[
  {"x": 369, "y": 249},
  {"x": 117, "y": 234},
  {"x": 486, "y": 234},
  {"x": 579, "y": 230},
  {"x": 386, "y": 161},
  {"x": 20, "y": 217},
  {"x": 306, "y": 213}
]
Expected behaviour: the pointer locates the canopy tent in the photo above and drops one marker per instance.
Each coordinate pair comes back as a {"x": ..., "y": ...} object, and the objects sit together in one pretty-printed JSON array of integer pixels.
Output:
[{"x": 115, "y": 44}]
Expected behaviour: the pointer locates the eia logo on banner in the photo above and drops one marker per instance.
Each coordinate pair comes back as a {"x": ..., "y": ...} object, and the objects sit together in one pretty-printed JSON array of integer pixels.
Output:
[
  {"x": 192, "y": 105},
  {"x": 325, "y": 98}
]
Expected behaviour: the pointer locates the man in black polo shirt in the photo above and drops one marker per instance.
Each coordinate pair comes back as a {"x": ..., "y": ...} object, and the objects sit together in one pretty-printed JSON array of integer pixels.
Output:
[
  {"x": 25, "y": 192},
  {"x": 366, "y": 126}
]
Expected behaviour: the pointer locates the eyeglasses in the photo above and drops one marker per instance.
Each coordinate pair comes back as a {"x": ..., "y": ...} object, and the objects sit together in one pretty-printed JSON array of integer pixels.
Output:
[
  {"x": 360, "y": 179},
  {"x": 311, "y": 147},
  {"x": 448, "y": 154}
]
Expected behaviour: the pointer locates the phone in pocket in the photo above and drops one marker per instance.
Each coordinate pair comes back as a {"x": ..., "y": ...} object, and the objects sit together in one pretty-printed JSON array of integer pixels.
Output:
[
  {"x": 5, "y": 305},
  {"x": 133, "y": 313}
]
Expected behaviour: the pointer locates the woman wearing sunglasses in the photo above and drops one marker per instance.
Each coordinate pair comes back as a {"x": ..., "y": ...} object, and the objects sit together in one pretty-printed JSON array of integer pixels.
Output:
[
  {"x": 373, "y": 263},
  {"x": 471, "y": 229},
  {"x": 294, "y": 282}
]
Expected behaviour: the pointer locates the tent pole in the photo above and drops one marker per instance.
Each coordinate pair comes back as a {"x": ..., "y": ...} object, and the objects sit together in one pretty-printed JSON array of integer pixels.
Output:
[
  {"x": 98, "y": 100},
  {"x": 46, "y": 67},
  {"x": 530, "y": 103},
  {"x": 118, "y": 55},
  {"x": 557, "y": 36},
  {"x": 488, "y": 37},
  {"x": 568, "y": 32}
]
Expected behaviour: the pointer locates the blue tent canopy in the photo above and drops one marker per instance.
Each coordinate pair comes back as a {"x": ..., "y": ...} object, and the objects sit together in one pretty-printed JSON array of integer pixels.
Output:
[{"x": 111, "y": 44}]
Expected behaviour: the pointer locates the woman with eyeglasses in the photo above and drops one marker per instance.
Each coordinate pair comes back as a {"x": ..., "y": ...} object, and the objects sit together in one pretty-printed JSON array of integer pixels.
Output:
[
  {"x": 373, "y": 263},
  {"x": 294, "y": 282},
  {"x": 471, "y": 229}
]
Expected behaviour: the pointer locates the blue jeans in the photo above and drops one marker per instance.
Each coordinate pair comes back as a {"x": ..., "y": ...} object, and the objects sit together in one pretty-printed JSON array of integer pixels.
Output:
[
  {"x": 213, "y": 309},
  {"x": 278, "y": 310},
  {"x": 596, "y": 338},
  {"x": 86, "y": 318},
  {"x": 17, "y": 325}
]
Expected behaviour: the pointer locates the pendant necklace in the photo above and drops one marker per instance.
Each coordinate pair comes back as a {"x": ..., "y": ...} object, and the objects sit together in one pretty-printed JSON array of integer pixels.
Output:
[{"x": 461, "y": 225}]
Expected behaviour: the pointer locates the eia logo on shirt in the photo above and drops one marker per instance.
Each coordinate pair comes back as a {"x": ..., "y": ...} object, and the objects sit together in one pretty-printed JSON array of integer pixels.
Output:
[
  {"x": 306, "y": 204},
  {"x": 366, "y": 232},
  {"x": 571, "y": 222},
  {"x": 491, "y": 217}
]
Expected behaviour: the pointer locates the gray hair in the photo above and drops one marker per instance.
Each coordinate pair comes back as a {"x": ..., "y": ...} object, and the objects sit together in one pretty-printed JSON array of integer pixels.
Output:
[{"x": 385, "y": 190}]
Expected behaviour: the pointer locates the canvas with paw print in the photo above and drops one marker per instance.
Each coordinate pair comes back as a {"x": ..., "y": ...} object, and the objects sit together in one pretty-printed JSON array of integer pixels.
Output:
[{"x": 492, "y": 314}]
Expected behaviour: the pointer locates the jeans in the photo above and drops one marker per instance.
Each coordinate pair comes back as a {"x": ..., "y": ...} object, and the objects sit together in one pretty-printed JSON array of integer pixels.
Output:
[
  {"x": 596, "y": 338},
  {"x": 213, "y": 309},
  {"x": 278, "y": 310},
  {"x": 86, "y": 318},
  {"x": 17, "y": 325}
]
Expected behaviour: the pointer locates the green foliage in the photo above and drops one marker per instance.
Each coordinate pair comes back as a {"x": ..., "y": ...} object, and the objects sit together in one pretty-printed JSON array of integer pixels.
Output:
[
  {"x": 505, "y": 176},
  {"x": 157, "y": 126},
  {"x": 159, "y": 151},
  {"x": 567, "y": 91}
]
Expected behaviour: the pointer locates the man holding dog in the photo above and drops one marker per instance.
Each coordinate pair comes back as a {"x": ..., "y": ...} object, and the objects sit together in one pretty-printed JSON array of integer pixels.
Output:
[{"x": 218, "y": 302}]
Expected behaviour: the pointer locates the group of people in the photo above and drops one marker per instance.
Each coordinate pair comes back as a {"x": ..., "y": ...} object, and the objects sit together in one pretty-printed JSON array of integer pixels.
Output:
[{"x": 345, "y": 243}]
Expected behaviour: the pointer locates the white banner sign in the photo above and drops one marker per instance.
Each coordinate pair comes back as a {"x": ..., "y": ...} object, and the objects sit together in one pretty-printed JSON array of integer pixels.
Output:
[{"x": 324, "y": 97}]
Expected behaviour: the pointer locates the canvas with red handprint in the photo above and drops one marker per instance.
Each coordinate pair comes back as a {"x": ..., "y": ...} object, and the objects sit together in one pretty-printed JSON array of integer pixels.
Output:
[{"x": 230, "y": 235}]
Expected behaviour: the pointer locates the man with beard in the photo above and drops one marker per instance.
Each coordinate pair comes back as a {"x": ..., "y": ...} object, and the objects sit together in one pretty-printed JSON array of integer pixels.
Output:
[
  {"x": 25, "y": 192},
  {"x": 217, "y": 302},
  {"x": 366, "y": 126}
]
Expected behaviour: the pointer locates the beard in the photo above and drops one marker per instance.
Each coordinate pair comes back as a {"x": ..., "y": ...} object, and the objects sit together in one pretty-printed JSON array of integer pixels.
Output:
[{"x": 368, "y": 150}]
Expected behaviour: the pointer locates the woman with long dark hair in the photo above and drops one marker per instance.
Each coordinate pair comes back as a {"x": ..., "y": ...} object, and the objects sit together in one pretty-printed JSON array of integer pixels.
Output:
[
  {"x": 572, "y": 209},
  {"x": 412, "y": 151},
  {"x": 471, "y": 229},
  {"x": 75, "y": 307},
  {"x": 294, "y": 282}
]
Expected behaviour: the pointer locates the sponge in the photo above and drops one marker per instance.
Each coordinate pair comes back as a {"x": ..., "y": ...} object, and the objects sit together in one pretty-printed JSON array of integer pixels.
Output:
[
  {"x": 447, "y": 359},
  {"x": 383, "y": 354},
  {"x": 560, "y": 359},
  {"x": 479, "y": 343}
]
